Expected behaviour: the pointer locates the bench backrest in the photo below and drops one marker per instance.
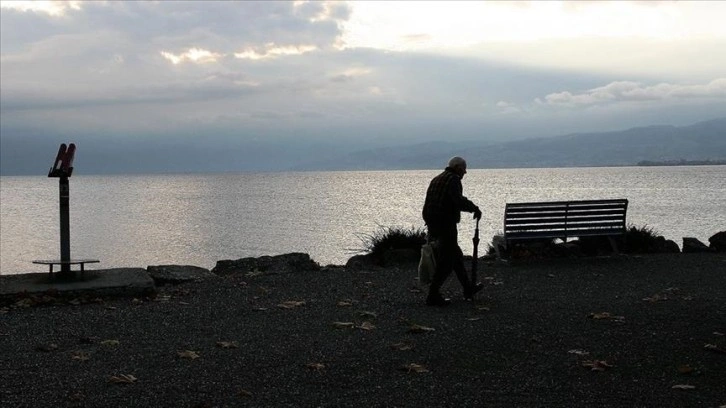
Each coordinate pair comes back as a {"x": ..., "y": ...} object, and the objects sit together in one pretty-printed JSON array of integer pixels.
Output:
[{"x": 563, "y": 219}]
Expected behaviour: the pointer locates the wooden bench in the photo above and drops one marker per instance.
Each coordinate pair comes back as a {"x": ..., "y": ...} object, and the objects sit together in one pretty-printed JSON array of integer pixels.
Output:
[
  {"x": 564, "y": 219},
  {"x": 81, "y": 262}
]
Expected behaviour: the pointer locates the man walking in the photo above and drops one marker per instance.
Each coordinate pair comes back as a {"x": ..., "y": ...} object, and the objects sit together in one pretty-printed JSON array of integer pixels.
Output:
[{"x": 441, "y": 212}]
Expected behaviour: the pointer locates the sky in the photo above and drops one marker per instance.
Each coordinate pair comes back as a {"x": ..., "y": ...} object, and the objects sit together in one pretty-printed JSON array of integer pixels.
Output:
[{"x": 273, "y": 81}]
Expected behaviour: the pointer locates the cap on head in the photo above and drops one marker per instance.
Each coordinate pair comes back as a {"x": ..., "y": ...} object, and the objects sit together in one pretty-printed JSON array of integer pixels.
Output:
[{"x": 457, "y": 162}]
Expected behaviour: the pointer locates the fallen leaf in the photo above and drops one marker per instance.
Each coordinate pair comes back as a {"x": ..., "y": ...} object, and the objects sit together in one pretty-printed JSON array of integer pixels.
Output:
[
  {"x": 123, "y": 379},
  {"x": 80, "y": 356},
  {"x": 111, "y": 308},
  {"x": 365, "y": 314},
  {"x": 343, "y": 325},
  {"x": 713, "y": 347},
  {"x": 183, "y": 303},
  {"x": 163, "y": 298},
  {"x": 110, "y": 342},
  {"x": 244, "y": 393},
  {"x": 683, "y": 387},
  {"x": 579, "y": 352},
  {"x": 656, "y": 298},
  {"x": 227, "y": 344},
  {"x": 685, "y": 369},
  {"x": 473, "y": 319},
  {"x": 597, "y": 365},
  {"x": 345, "y": 303},
  {"x": 483, "y": 308},
  {"x": 4, "y": 310},
  {"x": 417, "y": 328},
  {"x": 315, "y": 366},
  {"x": 291, "y": 304},
  {"x": 414, "y": 368},
  {"x": 188, "y": 354},
  {"x": 606, "y": 316},
  {"x": 253, "y": 274},
  {"x": 74, "y": 302},
  {"x": 77, "y": 396},
  {"x": 402, "y": 346},
  {"x": 137, "y": 301},
  {"x": 718, "y": 333},
  {"x": 368, "y": 326},
  {"x": 47, "y": 347},
  {"x": 259, "y": 309},
  {"x": 415, "y": 290},
  {"x": 27, "y": 302}
]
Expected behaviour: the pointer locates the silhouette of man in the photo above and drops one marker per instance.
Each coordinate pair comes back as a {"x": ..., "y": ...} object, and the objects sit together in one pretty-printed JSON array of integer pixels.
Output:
[{"x": 441, "y": 212}]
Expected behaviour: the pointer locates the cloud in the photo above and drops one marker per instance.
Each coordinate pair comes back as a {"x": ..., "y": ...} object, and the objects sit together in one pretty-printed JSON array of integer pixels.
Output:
[
  {"x": 272, "y": 50},
  {"x": 506, "y": 108},
  {"x": 629, "y": 91},
  {"x": 350, "y": 74},
  {"x": 197, "y": 55}
]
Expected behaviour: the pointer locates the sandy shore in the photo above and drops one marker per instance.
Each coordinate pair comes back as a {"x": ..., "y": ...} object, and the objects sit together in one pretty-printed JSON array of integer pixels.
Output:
[{"x": 653, "y": 326}]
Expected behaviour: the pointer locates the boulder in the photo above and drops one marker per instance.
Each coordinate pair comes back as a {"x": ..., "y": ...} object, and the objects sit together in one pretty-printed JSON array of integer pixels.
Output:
[
  {"x": 670, "y": 246},
  {"x": 292, "y": 262},
  {"x": 359, "y": 262},
  {"x": 660, "y": 245},
  {"x": 693, "y": 245},
  {"x": 718, "y": 241},
  {"x": 401, "y": 257},
  {"x": 162, "y": 274}
]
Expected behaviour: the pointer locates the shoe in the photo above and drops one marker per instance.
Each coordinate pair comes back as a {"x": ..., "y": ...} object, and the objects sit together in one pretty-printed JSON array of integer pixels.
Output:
[
  {"x": 437, "y": 301},
  {"x": 473, "y": 290}
]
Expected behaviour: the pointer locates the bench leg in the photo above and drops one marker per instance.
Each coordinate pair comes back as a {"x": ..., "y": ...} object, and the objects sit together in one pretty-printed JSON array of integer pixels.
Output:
[{"x": 613, "y": 244}]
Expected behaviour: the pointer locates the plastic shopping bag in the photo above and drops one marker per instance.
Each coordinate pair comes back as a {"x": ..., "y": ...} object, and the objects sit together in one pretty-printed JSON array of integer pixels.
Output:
[{"x": 427, "y": 264}]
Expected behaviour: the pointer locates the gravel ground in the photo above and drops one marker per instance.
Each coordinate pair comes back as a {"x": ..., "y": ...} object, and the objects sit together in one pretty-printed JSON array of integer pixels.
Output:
[{"x": 526, "y": 341}]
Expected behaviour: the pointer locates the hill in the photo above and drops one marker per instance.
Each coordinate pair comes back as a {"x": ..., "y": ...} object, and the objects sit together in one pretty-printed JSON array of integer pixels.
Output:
[{"x": 698, "y": 142}]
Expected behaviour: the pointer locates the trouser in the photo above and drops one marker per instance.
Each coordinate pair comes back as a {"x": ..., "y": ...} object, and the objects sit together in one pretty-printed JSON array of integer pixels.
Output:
[{"x": 448, "y": 257}]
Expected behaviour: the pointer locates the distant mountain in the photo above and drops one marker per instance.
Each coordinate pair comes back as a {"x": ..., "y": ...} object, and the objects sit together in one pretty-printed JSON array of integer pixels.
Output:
[{"x": 698, "y": 142}]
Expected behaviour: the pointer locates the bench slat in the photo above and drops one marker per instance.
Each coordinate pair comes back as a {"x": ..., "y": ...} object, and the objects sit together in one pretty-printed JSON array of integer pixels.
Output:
[
  {"x": 572, "y": 228},
  {"x": 562, "y": 234},
  {"x": 558, "y": 208},
  {"x": 576, "y": 202},
  {"x": 518, "y": 221}
]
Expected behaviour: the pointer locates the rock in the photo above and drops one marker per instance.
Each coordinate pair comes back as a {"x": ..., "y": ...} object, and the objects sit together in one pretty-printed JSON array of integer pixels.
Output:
[
  {"x": 292, "y": 262},
  {"x": 401, "y": 257},
  {"x": 693, "y": 245},
  {"x": 718, "y": 241},
  {"x": 359, "y": 262},
  {"x": 670, "y": 246},
  {"x": 162, "y": 274}
]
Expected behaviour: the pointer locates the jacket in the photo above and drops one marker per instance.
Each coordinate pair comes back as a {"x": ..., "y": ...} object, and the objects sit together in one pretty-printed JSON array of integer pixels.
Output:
[{"x": 444, "y": 199}]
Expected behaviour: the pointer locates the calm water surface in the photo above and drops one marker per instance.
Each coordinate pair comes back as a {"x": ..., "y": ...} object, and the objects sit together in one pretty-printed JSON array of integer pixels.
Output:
[{"x": 141, "y": 220}]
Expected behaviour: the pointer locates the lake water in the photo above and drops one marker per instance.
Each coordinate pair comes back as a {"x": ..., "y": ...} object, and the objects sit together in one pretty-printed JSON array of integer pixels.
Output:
[{"x": 142, "y": 220}]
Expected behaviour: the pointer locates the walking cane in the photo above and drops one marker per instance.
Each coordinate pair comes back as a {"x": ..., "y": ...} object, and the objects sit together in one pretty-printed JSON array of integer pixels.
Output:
[{"x": 475, "y": 255}]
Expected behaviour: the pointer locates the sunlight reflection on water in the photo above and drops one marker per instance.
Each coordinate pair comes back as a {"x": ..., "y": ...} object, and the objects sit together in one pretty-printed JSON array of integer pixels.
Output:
[{"x": 141, "y": 220}]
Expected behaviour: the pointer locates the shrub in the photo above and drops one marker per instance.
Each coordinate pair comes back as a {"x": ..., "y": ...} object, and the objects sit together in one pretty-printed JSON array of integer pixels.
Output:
[
  {"x": 388, "y": 238},
  {"x": 641, "y": 240},
  {"x": 637, "y": 240}
]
